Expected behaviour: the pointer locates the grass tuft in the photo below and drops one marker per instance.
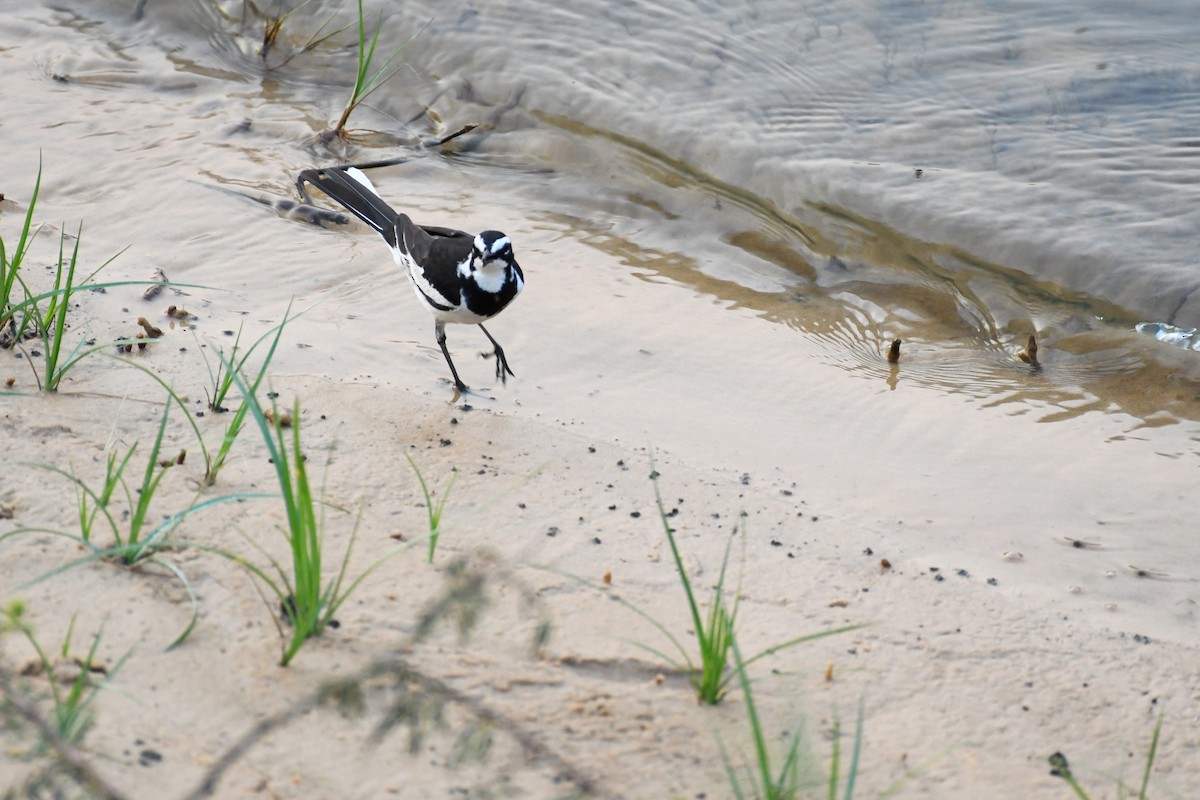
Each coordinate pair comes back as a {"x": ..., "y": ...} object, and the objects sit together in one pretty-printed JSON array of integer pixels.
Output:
[
  {"x": 715, "y": 630},
  {"x": 222, "y": 381},
  {"x": 72, "y": 706},
  {"x": 43, "y": 316},
  {"x": 307, "y": 600},
  {"x": 135, "y": 539},
  {"x": 367, "y": 78},
  {"x": 435, "y": 509}
]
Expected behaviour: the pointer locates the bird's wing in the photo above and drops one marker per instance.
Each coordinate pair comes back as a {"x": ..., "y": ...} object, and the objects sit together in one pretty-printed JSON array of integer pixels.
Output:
[{"x": 435, "y": 254}]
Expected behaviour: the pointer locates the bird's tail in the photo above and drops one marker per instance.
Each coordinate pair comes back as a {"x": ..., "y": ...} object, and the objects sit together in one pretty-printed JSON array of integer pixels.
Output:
[{"x": 350, "y": 187}]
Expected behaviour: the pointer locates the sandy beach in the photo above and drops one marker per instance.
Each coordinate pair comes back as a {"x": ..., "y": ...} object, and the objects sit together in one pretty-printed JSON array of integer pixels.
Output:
[
  {"x": 1016, "y": 543},
  {"x": 971, "y": 672}
]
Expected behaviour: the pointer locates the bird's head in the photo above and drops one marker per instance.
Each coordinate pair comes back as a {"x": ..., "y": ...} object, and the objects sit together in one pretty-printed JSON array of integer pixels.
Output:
[{"x": 493, "y": 250}]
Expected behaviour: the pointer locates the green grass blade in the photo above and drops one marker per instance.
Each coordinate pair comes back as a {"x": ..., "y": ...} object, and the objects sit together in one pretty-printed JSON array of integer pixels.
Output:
[
  {"x": 160, "y": 532},
  {"x": 316, "y": 39},
  {"x": 789, "y": 774},
  {"x": 683, "y": 576},
  {"x": 232, "y": 430},
  {"x": 71, "y": 713},
  {"x": 260, "y": 419},
  {"x": 808, "y": 637},
  {"x": 835, "y": 758},
  {"x": 174, "y": 397},
  {"x": 433, "y": 509},
  {"x": 54, "y": 343},
  {"x": 338, "y": 597},
  {"x": 83, "y": 487},
  {"x": 33, "y": 301},
  {"x": 150, "y": 480},
  {"x": 687, "y": 661},
  {"x": 10, "y": 270},
  {"x": 187, "y": 585},
  {"x": 760, "y": 744},
  {"x": 852, "y": 775},
  {"x": 367, "y": 81},
  {"x": 730, "y": 772},
  {"x": 1150, "y": 758}
]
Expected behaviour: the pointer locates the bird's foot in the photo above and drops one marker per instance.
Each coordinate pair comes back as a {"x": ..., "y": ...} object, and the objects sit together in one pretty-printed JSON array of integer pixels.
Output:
[{"x": 502, "y": 368}]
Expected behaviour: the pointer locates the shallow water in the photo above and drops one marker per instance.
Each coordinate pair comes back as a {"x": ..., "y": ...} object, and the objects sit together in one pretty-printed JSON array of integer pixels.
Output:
[
  {"x": 772, "y": 148},
  {"x": 725, "y": 212}
]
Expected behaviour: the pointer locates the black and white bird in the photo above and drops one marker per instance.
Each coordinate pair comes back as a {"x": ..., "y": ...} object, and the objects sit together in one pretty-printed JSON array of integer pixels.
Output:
[{"x": 459, "y": 277}]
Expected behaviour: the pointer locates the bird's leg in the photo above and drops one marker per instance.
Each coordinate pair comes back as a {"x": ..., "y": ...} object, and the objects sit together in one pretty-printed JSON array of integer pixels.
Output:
[
  {"x": 501, "y": 362},
  {"x": 439, "y": 332}
]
